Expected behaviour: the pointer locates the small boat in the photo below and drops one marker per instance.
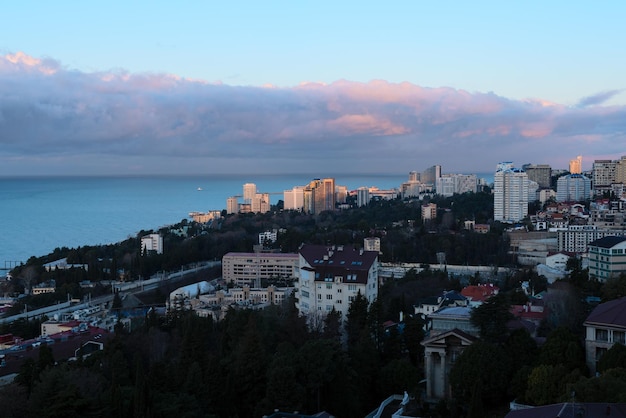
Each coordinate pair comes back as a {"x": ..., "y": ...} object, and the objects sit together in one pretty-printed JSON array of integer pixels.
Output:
[{"x": 199, "y": 189}]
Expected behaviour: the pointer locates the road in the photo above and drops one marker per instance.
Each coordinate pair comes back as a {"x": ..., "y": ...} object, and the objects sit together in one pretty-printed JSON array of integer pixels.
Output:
[{"x": 131, "y": 287}]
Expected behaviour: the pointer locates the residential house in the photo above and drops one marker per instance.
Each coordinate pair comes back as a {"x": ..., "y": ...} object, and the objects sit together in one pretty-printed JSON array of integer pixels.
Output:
[
  {"x": 605, "y": 326},
  {"x": 476, "y": 295}
]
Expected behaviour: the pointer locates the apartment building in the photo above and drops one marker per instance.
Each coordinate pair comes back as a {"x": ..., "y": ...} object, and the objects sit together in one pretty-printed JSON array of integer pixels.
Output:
[
  {"x": 331, "y": 277},
  {"x": 510, "y": 193},
  {"x": 249, "y": 269},
  {"x": 575, "y": 238},
  {"x": 152, "y": 242},
  {"x": 607, "y": 257}
]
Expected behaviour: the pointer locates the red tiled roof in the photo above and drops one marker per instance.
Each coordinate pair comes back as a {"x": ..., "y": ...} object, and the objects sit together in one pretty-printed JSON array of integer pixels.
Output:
[{"x": 480, "y": 292}]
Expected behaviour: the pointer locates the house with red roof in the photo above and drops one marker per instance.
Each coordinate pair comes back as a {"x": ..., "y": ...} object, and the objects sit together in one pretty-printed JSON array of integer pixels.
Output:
[{"x": 476, "y": 295}]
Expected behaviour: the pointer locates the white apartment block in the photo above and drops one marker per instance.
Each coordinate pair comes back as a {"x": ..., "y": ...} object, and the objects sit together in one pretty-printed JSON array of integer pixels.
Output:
[
  {"x": 152, "y": 242},
  {"x": 248, "y": 269},
  {"x": 294, "y": 199},
  {"x": 573, "y": 188},
  {"x": 575, "y": 238},
  {"x": 268, "y": 236},
  {"x": 510, "y": 193},
  {"x": 371, "y": 244},
  {"x": 249, "y": 191},
  {"x": 429, "y": 212},
  {"x": 331, "y": 277},
  {"x": 362, "y": 196},
  {"x": 449, "y": 184}
]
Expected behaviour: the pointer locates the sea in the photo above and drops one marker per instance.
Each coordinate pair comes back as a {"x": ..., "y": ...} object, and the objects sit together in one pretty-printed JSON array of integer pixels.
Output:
[{"x": 39, "y": 214}]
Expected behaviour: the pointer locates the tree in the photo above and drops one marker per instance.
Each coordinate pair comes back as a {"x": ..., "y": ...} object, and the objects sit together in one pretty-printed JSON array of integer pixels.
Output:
[
  {"x": 614, "y": 357},
  {"x": 491, "y": 317},
  {"x": 484, "y": 371},
  {"x": 562, "y": 347},
  {"x": 357, "y": 319}
]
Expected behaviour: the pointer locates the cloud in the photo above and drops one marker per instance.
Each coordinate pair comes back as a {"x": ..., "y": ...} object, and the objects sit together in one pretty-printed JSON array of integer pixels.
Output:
[
  {"x": 598, "y": 98},
  {"x": 49, "y": 112}
]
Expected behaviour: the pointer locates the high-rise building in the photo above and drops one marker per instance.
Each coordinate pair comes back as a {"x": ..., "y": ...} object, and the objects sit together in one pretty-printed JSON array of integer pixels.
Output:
[
  {"x": 294, "y": 199},
  {"x": 539, "y": 173},
  {"x": 319, "y": 196},
  {"x": 449, "y": 184},
  {"x": 510, "y": 193},
  {"x": 573, "y": 188},
  {"x": 603, "y": 175},
  {"x": 430, "y": 175},
  {"x": 362, "y": 196},
  {"x": 620, "y": 170},
  {"x": 232, "y": 205},
  {"x": 249, "y": 191},
  {"x": 341, "y": 194},
  {"x": 260, "y": 203},
  {"x": 576, "y": 165}
]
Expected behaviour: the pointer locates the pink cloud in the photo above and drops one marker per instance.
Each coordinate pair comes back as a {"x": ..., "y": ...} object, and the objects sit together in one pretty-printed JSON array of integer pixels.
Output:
[{"x": 48, "y": 109}]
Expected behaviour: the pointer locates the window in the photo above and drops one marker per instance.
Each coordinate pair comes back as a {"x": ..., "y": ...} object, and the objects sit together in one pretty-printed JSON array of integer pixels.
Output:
[
  {"x": 329, "y": 297},
  {"x": 329, "y": 286},
  {"x": 352, "y": 287},
  {"x": 319, "y": 296},
  {"x": 602, "y": 335},
  {"x": 619, "y": 337}
]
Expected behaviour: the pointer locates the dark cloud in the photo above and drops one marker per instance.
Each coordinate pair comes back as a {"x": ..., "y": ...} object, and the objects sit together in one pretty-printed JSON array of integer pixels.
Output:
[{"x": 48, "y": 111}]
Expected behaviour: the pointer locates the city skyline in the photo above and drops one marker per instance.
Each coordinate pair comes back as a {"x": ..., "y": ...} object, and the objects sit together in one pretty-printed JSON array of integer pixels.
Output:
[{"x": 218, "y": 88}]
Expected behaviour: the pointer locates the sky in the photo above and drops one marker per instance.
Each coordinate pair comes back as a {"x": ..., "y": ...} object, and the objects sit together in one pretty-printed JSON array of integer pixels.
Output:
[{"x": 194, "y": 87}]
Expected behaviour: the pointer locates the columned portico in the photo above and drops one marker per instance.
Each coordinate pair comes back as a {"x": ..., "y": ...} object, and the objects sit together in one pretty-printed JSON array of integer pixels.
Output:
[{"x": 440, "y": 352}]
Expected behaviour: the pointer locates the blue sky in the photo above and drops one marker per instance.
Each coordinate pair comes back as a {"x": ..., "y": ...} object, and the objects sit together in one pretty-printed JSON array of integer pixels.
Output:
[{"x": 163, "y": 87}]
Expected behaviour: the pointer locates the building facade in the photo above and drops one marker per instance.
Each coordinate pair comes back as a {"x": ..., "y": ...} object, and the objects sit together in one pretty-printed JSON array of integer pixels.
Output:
[
  {"x": 294, "y": 199},
  {"x": 575, "y": 238},
  {"x": 331, "y": 277},
  {"x": 429, "y": 212},
  {"x": 603, "y": 176},
  {"x": 539, "y": 173},
  {"x": 576, "y": 165},
  {"x": 152, "y": 242},
  {"x": 573, "y": 188},
  {"x": 607, "y": 258},
  {"x": 249, "y": 269},
  {"x": 604, "y": 327},
  {"x": 510, "y": 193}
]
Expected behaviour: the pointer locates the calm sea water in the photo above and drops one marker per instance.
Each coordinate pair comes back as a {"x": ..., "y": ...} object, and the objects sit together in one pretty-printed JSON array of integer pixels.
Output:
[{"x": 38, "y": 214}]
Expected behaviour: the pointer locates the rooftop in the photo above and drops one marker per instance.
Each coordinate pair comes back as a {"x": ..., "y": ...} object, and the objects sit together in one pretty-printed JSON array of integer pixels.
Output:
[{"x": 609, "y": 313}]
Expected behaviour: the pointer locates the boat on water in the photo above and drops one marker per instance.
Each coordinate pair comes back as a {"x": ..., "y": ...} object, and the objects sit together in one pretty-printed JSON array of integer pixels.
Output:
[{"x": 199, "y": 189}]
